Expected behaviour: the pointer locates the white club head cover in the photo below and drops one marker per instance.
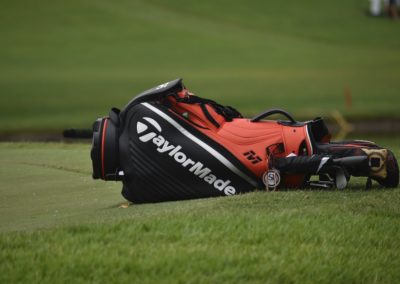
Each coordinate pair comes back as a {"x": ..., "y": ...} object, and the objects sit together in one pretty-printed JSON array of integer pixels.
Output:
[{"x": 341, "y": 180}]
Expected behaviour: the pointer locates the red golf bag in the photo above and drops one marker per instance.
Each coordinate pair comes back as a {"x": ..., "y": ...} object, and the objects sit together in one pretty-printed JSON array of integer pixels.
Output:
[{"x": 168, "y": 144}]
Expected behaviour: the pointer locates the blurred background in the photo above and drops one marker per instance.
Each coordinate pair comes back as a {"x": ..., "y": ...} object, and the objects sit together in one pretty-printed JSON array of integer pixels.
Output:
[{"x": 65, "y": 63}]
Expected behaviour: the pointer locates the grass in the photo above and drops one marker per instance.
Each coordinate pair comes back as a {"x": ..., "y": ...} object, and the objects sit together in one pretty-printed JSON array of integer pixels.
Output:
[
  {"x": 264, "y": 238},
  {"x": 55, "y": 181},
  {"x": 64, "y": 63},
  {"x": 58, "y": 225}
]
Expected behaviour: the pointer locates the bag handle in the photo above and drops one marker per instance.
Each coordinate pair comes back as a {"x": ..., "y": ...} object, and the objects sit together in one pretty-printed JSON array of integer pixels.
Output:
[{"x": 269, "y": 112}]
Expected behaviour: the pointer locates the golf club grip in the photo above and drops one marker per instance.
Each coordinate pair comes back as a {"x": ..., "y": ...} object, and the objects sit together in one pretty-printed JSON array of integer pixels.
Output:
[{"x": 352, "y": 161}]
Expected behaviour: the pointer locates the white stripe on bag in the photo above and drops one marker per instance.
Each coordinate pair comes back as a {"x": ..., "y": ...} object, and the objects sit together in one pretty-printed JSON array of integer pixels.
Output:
[{"x": 205, "y": 146}]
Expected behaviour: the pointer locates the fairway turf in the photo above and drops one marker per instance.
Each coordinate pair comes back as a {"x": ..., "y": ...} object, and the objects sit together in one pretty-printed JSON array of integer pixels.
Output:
[
  {"x": 59, "y": 225},
  {"x": 64, "y": 63}
]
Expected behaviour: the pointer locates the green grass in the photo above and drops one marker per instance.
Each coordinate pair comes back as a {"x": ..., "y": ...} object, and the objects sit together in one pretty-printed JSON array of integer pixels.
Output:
[
  {"x": 301, "y": 237},
  {"x": 64, "y": 63},
  {"x": 59, "y": 225}
]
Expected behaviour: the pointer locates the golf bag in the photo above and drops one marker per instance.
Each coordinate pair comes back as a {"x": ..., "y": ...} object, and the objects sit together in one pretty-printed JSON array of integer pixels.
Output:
[{"x": 168, "y": 144}]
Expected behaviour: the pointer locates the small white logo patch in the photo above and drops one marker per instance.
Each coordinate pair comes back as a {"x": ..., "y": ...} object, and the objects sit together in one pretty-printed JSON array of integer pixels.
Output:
[
  {"x": 162, "y": 86},
  {"x": 271, "y": 179}
]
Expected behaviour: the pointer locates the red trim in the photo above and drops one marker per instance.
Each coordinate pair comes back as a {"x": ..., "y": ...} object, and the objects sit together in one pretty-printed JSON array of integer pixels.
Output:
[{"x": 103, "y": 138}]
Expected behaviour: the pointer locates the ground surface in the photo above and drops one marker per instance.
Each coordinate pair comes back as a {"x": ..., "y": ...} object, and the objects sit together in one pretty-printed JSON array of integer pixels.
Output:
[
  {"x": 64, "y": 63},
  {"x": 59, "y": 225}
]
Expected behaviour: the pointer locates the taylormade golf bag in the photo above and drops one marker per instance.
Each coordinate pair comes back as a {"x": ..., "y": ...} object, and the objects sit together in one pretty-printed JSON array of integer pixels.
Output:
[{"x": 168, "y": 144}]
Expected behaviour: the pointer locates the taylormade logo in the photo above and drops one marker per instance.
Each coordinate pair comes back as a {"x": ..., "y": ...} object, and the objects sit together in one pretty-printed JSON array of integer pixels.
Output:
[{"x": 195, "y": 167}]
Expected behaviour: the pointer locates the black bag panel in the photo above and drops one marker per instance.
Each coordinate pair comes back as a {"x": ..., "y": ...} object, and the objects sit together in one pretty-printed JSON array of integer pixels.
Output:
[
  {"x": 161, "y": 163},
  {"x": 154, "y": 94}
]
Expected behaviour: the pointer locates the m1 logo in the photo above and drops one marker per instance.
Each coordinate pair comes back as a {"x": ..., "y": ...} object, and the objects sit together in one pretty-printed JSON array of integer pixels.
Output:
[{"x": 252, "y": 157}]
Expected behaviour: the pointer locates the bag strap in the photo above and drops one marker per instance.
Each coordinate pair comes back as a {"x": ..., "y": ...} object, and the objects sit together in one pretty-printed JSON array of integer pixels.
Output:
[
  {"x": 228, "y": 112},
  {"x": 269, "y": 112}
]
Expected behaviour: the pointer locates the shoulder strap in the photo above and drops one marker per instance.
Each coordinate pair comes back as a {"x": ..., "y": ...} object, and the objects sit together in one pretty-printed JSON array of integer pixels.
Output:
[{"x": 227, "y": 112}]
